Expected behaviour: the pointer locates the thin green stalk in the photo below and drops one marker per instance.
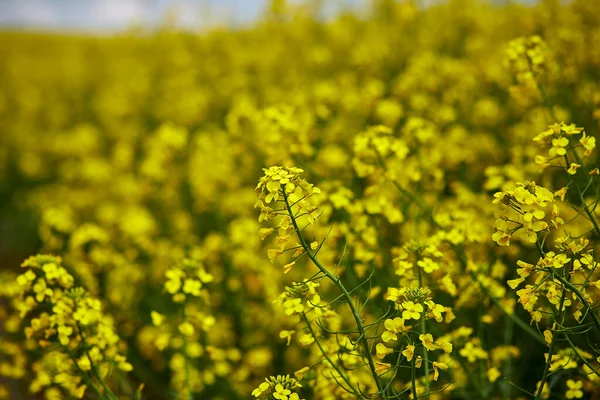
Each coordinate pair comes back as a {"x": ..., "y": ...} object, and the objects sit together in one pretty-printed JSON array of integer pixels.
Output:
[
  {"x": 470, "y": 377},
  {"x": 337, "y": 282},
  {"x": 587, "y": 305},
  {"x": 508, "y": 334},
  {"x": 546, "y": 100},
  {"x": 413, "y": 373},
  {"x": 425, "y": 358},
  {"x": 107, "y": 390},
  {"x": 312, "y": 332},
  {"x": 581, "y": 199},
  {"x": 538, "y": 394},
  {"x": 424, "y": 332},
  {"x": 581, "y": 357},
  {"x": 188, "y": 384},
  {"x": 587, "y": 211},
  {"x": 84, "y": 375},
  {"x": 408, "y": 195},
  {"x": 526, "y": 327}
]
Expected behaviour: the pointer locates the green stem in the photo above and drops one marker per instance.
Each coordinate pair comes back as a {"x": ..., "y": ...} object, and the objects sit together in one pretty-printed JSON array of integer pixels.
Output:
[
  {"x": 107, "y": 390},
  {"x": 408, "y": 195},
  {"x": 425, "y": 358},
  {"x": 84, "y": 375},
  {"x": 538, "y": 395},
  {"x": 581, "y": 198},
  {"x": 508, "y": 334},
  {"x": 413, "y": 377},
  {"x": 312, "y": 332},
  {"x": 424, "y": 332},
  {"x": 471, "y": 378},
  {"x": 587, "y": 305},
  {"x": 581, "y": 357},
  {"x": 188, "y": 384},
  {"x": 342, "y": 288},
  {"x": 532, "y": 332},
  {"x": 546, "y": 100}
]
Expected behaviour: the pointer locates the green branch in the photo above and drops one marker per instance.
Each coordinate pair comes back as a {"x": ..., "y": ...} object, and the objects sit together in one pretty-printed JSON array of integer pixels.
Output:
[{"x": 337, "y": 282}]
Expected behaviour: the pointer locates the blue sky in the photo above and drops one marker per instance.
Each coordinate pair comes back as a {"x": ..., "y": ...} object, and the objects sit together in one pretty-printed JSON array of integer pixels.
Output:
[
  {"x": 97, "y": 16},
  {"x": 111, "y": 15}
]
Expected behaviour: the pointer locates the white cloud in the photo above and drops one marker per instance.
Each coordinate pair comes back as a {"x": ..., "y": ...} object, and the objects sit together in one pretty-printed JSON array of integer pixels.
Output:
[
  {"x": 117, "y": 13},
  {"x": 32, "y": 12},
  {"x": 111, "y": 15}
]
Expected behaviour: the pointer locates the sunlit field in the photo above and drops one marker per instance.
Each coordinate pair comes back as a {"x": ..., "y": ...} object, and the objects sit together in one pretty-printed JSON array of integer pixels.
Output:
[{"x": 395, "y": 202}]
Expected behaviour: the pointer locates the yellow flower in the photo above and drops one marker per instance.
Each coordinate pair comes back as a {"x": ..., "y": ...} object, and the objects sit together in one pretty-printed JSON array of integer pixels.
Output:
[
  {"x": 548, "y": 336},
  {"x": 554, "y": 260},
  {"x": 382, "y": 351},
  {"x": 392, "y": 326},
  {"x": 561, "y": 193},
  {"x": 514, "y": 283},
  {"x": 41, "y": 290},
  {"x": 287, "y": 335},
  {"x": 558, "y": 146},
  {"x": 436, "y": 310},
  {"x": 411, "y": 310},
  {"x": 409, "y": 352},
  {"x": 493, "y": 374},
  {"x": 427, "y": 341},
  {"x": 293, "y": 306},
  {"x": 64, "y": 332},
  {"x": 428, "y": 265},
  {"x": 24, "y": 279},
  {"x": 274, "y": 253},
  {"x": 574, "y": 389},
  {"x": 186, "y": 329},
  {"x": 300, "y": 373},
  {"x": 570, "y": 129},
  {"x": 437, "y": 365},
  {"x": 381, "y": 367},
  {"x": 288, "y": 267},
  {"x": 122, "y": 363},
  {"x": 260, "y": 389},
  {"x": 588, "y": 143},
  {"x": 473, "y": 352},
  {"x": 264, "y": 232},
  {"x": 444, "y": 345},
  {"x": 306, "y": 339},
  {"x": 392, "y": 294},
  {"x": 192, "y": 286},
  {"x": 573, "y": 168},
  {"x": 281, "y": 393},
  {"x": 173, "y": 285},
  {"x": 501, "y": 237},
  {"x": 157, "y": 319}
]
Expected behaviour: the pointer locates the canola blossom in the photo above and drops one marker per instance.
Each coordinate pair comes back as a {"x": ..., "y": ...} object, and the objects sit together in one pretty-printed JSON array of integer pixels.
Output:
[{"x": 393, "y": 202}]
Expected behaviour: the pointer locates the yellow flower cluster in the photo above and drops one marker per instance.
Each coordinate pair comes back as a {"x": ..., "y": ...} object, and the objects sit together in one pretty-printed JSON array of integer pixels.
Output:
[
  {"x": 302, "y": 298},
  {"x": 187, "y": 278},
  {"x": 285, "y": 196},
  {"x": 376, "y": 263},
  {"x": 561, "y": 287},
  {"x": 61, "y": 313},
  {"x": 528, "y": 209},
  {"x": 278, "y": 387},
  {"x": 416, "y": 307},
  {"x": 556, "y": 138},
  {"x": 527, "y": 59}
]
